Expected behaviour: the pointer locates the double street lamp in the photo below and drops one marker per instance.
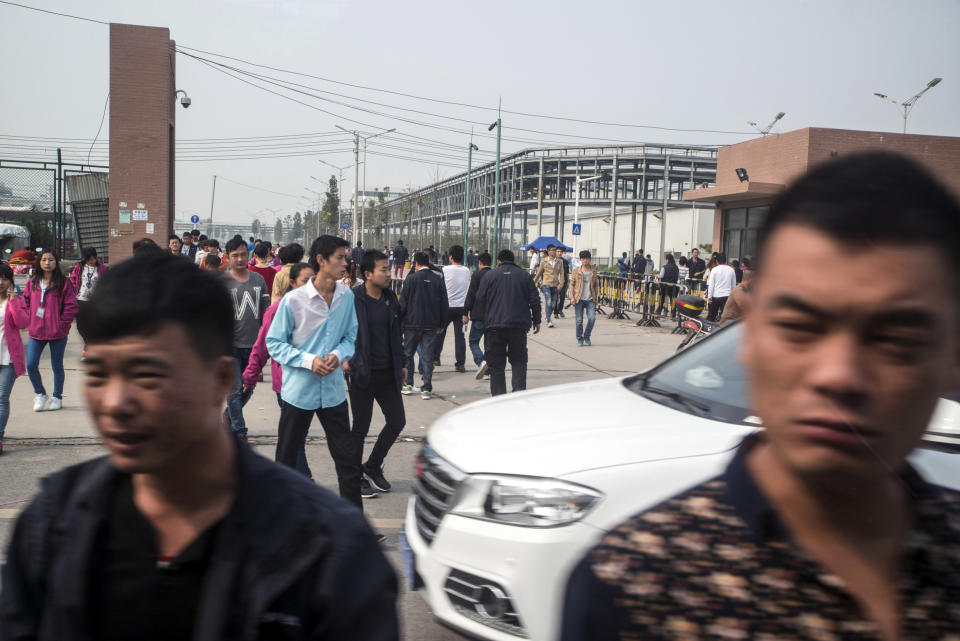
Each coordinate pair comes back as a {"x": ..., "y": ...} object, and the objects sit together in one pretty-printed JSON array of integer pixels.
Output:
[
  {"x": 908, "y": 104},
  {"x": 496, "y": 192},
  {"x": 466, "y": 210}
]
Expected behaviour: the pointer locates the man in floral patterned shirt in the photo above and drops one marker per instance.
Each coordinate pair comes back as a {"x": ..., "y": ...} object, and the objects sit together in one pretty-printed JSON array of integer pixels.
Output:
[{"x": 819, "y": 528}]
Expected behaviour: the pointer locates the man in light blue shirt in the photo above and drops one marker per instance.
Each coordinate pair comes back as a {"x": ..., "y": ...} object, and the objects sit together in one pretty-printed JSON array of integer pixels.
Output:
[{"x": 313, "y": 332}]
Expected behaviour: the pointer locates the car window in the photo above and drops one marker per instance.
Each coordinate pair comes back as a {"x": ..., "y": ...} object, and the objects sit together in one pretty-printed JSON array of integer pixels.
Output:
[{"x": 705, "y": 379}]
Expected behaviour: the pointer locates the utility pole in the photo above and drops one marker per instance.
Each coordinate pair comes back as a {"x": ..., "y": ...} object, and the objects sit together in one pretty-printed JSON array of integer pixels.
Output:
[
  {"x": 213, "y": 195},
  {"x": 466, "y": 209},
  {"x": 496, "y": 190},
  {"x": 365, "y": 139},
  {"x": 356, "y": 175}
]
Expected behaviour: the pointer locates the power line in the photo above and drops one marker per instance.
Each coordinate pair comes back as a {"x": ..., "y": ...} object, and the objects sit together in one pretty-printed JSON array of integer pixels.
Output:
[
  {"x": 456, "y": 103},
  {"x": 54, "y": 13},
  {"x": 278, "y": 193}
]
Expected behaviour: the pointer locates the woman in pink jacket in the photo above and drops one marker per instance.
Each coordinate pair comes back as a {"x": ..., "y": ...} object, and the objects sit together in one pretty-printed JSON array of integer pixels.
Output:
[
  {"x": 300, "y": 275},
  {"x": 13, "y": 318},
  {"x": 51, "y": 302}
]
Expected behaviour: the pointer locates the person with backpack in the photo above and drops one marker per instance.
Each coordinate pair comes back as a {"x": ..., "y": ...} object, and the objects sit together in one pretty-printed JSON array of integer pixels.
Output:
[{"x": 51, "y": 302}]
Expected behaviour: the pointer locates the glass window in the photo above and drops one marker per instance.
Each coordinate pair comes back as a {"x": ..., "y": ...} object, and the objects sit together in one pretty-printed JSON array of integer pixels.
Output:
[
  {"x": 735, "y": 218},
  {"x": 731, "y": 243},
  {"x": 756, "y": 217}
]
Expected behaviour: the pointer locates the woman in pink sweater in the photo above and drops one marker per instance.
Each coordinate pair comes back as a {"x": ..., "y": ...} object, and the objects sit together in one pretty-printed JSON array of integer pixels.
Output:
[{"x": 51, "y": 302}]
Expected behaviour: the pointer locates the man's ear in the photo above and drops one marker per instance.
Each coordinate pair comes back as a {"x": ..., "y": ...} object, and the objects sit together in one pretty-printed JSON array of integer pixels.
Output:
[{"x": 224, "y": 372}]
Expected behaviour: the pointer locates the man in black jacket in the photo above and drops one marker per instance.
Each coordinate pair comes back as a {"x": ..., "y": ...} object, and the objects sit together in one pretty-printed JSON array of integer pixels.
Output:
[
  {"x": 668, "y": 285},
  {"x": 356, "y": 254},
  {"x": 400, "y": 256},
  {"x": 376, "y": 369},
  {"x": 423, "y": 304},
  {"x": 475, "y": 312},
  {"x": 512, "y": 305},
  {"x": 182, "y": 531}
]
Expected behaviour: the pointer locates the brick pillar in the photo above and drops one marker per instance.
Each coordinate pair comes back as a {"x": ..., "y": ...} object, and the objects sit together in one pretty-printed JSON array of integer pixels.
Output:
[{"x": 142, "y": 121}]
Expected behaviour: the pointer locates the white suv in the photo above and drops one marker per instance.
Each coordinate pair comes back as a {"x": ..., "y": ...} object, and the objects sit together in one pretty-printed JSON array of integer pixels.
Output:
[{"x": 510, "y": 492}]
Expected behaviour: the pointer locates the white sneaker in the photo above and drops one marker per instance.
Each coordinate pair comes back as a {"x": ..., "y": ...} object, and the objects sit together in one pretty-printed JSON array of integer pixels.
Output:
[
  {"x": 55, "y": 404},
  {"x": 481, "y": 370},
  {"x": 38, "y": 402}
]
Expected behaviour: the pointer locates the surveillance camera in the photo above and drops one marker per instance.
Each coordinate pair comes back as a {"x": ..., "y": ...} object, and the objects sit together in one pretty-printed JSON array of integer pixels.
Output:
[{"x": 185, "y": 102}]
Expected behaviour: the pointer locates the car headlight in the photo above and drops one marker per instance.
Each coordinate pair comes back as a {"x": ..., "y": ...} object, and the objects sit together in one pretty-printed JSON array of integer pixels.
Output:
[{"x": 524, "y": 501}]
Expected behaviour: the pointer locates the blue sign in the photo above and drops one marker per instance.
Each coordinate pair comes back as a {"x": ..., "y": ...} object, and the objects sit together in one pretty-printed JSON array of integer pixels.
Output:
[
  {"x": 194, "y": 219},
  {"x": 345, "y": 225},
  {"x": 576, "y": 229}
]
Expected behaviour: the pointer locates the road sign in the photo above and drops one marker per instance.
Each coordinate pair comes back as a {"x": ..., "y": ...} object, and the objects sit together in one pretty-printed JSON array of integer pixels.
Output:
[
  {"x": 576, "y": 229},
  {"x": 345, "y": 225},
  {"x": 194, "y": 219}
]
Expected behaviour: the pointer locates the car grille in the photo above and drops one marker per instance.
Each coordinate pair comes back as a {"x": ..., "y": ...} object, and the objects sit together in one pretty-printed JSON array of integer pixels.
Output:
[{"x": 434, "y": 487}]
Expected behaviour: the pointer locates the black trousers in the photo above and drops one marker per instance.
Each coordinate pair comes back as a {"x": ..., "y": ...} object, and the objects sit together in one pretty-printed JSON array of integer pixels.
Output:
[
  {"x": 502, "y": 344},
  {"x": 335, "y": 421},
  {"x": 455, "y": 316},
  {"x": 715, "y": 308},
  {"x": 561, "y": 298},
  {"x": 383, "y": 389}
]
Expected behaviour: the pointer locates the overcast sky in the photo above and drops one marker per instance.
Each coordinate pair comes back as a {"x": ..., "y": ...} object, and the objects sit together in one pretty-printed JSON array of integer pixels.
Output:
[{"x": 695, "y": 65}]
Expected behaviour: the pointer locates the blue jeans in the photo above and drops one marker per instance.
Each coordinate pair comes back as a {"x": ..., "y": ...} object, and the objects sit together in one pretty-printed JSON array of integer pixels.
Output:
[
  {"x": 591, "y": 309},
  {"x": 427, "y": 339},
  {"x": 549, "y": 300},
  {"x": 34, "y": 351},
  {"x": 237, "y": 399},
  {"x": 7, "y": 377},
  {"x": 476, "y": 333}
]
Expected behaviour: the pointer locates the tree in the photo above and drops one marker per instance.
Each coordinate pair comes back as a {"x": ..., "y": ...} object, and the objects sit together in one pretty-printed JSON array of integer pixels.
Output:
[
  {"x": 296, "y": 229},
  {"x": 255, "y": 227},
  {"x": 330, "y": 211},
  {"x": 41, "y": 234},
  {"x": 278, "y": 231}
]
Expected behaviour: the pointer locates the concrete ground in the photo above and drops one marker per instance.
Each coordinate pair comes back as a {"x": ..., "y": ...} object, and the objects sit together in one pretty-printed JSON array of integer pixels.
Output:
[{"x": 37, "y": 444}]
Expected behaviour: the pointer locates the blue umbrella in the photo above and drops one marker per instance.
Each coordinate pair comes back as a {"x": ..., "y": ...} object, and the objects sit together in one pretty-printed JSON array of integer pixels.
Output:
[{"x": 541, "y": 243}]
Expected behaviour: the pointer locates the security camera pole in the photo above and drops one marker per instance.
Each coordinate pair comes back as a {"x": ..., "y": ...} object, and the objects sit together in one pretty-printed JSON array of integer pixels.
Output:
[{"x": 907, "y": 105}]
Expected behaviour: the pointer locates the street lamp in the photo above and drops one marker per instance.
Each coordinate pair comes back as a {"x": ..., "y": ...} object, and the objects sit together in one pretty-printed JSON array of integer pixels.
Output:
[
  {"x": 576, "y": 205},
  {"x": 766, "y": 130},
  {"x": 496, "y": 191},
  {"x": 466, "y": 210},
  {"x": 356, "y": 173},
  {"x": 907, "y": 105},
  {"x": 362, "y": 211}
]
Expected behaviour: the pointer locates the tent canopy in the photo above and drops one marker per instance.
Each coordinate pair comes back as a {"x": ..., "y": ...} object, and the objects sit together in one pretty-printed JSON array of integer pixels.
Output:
[{"x": 542, "y": 242}]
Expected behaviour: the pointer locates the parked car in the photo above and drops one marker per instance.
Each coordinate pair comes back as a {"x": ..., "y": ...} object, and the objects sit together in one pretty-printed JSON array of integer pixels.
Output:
[{"x": 510, "y": 492}]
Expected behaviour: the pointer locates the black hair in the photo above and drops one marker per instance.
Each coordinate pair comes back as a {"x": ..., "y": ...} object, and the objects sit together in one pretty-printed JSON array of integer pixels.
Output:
[
  {"x": 172, "y": 237},
  {"x": 137, "y": 244},
  {"x": 141, "y": 295},
  {"x": 213, "y": 242},
  {"x": 251, "y": 239},
  {"x": 745, "y": 262},
  {"x": 295, "y": 271},
  {"x": 399, "y": 242},
  {"x": 721, "y": 258},
  {"x": 261, "y": 250},
  {"x": 505, "y": 256},
  {"x": 6, "y": 271},
  {"x": 292, "y": 253},
  {"x": 869, "y": 198},
  {"x": 485, "y": 259},
  {"x": 324, "y": 246},
  {"x": 624, "y": 255},
  {"x": 585, "y": 254},
  {"x": 234, "y": 244},
  {"x": 90, "y": 252},
  {"x": 670, "y": 259},
  {"x": 369, "y": 262},
  {"x": 551, "y": 246},
  {"x": 186, "y": 233},
  {"x": 683, "y": 261},
  {"x": 212, "y": 261},
  {"x": 148, "y": 248},
  {"x": 456, "y": 253},
  {"x": 200, "y": 238},
  {"x": 195, "y": 232},
  {"x": 421, "y": 258}
]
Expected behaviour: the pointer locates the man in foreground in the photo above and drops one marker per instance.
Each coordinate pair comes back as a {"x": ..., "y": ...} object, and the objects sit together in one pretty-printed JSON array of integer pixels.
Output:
[
  {"x": 511, "y": 306},
  {"x": 819, "y": 528},
  {"x": 182, "y": 532},
  {"x": 423, "y": 305}
]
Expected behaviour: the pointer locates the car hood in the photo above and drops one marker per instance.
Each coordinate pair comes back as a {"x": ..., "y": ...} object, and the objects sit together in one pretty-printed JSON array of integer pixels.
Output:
[{"x": 565, "y": 429}]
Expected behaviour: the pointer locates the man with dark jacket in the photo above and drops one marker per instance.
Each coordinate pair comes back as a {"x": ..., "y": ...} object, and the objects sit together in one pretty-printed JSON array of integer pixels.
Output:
[
  {"x": 511, "y": 305},
  {"x": 356, "y": 254},
  {"x": 376, "y": 369},
  {"x": 423, "y": 304},
  {"x": 475, "y": 312},
  {"x": 639, "y": 265},
  {"x": 400, "y": 256},
  {"x": 182, "y": 531},
  {"x": 668, "y": 284}
]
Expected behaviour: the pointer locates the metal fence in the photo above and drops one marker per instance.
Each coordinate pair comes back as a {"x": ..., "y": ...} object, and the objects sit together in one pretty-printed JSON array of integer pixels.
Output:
[{"x": 36, "y": 195}]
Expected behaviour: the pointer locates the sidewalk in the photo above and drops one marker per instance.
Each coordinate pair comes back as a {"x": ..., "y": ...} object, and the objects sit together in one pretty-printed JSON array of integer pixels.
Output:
[{"x": 619, "y": 348}]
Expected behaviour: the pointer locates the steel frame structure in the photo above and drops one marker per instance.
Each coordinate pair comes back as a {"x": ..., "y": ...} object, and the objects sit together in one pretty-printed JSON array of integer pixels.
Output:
[{"x": 643, "y": 177}]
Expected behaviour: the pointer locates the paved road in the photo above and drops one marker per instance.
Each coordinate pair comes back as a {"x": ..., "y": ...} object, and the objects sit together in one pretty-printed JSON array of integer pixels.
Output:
[{"x": 37, "y": 444}]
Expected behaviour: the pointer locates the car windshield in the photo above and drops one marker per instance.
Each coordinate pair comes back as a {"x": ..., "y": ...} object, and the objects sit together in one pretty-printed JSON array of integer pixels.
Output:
[{"x": 706, "y": 379}]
